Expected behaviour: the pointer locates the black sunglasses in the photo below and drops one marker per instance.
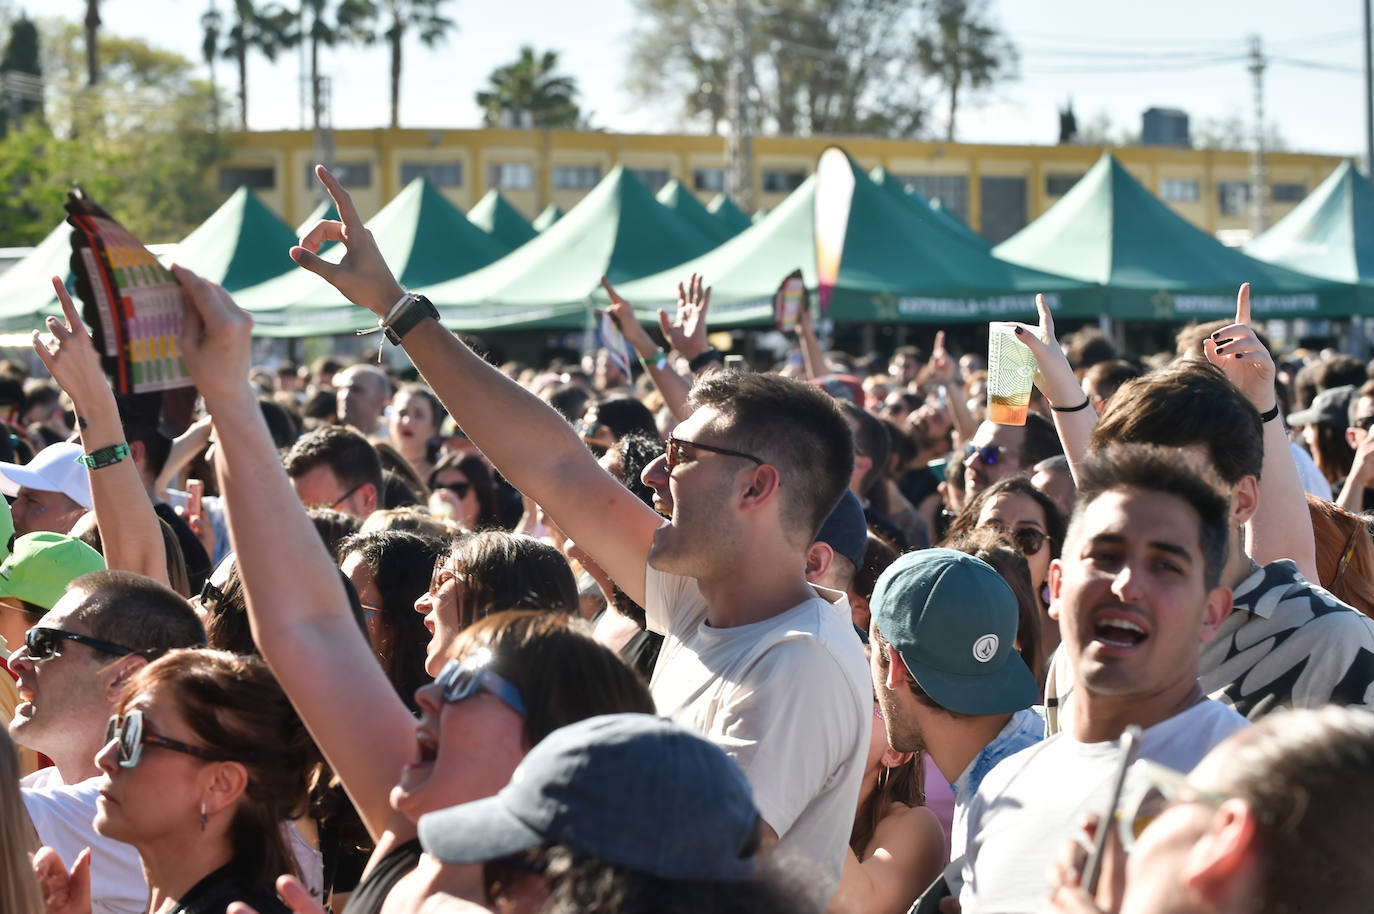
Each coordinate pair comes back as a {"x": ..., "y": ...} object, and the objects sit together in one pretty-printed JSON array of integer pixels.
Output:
[
  {"x": 460, "y": 489},
  {"x": 1366, "y": 423},
  {"x": 42, "y": 643},
  {"x": 210, "y": 595},
  {"x": 675, "y": 446},
  {"x": 1027, "y": 539},
  {"x": 989, "y": 454},
  {"x": 128, "y": 732}
]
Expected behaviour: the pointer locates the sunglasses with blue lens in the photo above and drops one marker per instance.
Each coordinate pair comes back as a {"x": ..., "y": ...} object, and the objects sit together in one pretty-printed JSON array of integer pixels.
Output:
[
  {"x": 461, "y": 679},
  {"x": 989, "y": 454}
]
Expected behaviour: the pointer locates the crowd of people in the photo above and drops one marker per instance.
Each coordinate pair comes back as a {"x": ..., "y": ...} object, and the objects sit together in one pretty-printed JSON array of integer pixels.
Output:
[{"x": 569, "y": 638}]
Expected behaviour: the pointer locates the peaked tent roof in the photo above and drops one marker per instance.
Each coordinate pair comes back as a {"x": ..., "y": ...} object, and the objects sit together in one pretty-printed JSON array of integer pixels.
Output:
[
  {"x": 1154, "y": 264},
  {"x": 551, "y": 214},
  {"x": 494, "y": 215},
  {"x": 26, "y": 296},
  {"x": 914, "y": 198},
  {"x": 424, "y": 239},
  {"x": 724, "y": 209},
  {"x": 618, "y": 230},
  {"x": 242, "y": 244},
  {"x": 326, "y": 210},
  {"x": 1330, "y": 234},
  {"x": 680, "y": 200},
  {"x": 759, "y": 215},
  {"x": 898, "y": 265}
]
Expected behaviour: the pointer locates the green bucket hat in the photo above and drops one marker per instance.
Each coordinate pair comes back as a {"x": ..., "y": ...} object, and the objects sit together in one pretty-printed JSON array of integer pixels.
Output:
[{"x": 43, "y": 564}]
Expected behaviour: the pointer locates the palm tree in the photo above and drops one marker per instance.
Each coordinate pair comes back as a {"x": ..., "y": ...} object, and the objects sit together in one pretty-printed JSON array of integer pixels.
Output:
[
  {"x": 92, "y": 42},
  {"x": 330, "y": 24},
  {"x": 211, "y": 22},
  {"x": 430, "y": 25},
  {"x": 529, "y": 87},
  {"x": 268, "y": 29}
]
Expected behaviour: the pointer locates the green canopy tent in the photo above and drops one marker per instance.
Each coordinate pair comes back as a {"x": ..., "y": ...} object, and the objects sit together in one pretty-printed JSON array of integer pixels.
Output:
[
  {"x": 424, "y": 239},
  {"x": 26, "y": 296},
  {"x": 724, "y": 209},
  {"x": 680, "y": 200},
  {"x": 915, "y": 198},
  {"x": 326, "y": 210},
  {"x": 551, "y": 214},
  {"x": 618, "y": 230},
  {"x": 494, "y": 215},
  {"x": 1330, "y": 234},
  {"x": 899, "y": 265},
  {"x": 1153, "y": 263},
  {"x": 759, "y": 215}
]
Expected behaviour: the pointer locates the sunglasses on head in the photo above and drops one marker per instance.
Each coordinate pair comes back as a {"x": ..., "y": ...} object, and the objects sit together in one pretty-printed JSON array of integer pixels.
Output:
[
  {"x": 1027, "y": 539},
  {"x": 461, "y": 679},
  {"x": 989, "y": 454},
  {"x": 210, "y": 595},
  {"x": 460, "y": 489},
  {"x": 129, "y": 733},
  {"x": 1156, "y": 789},
  {"x": 43, "y": 643}
]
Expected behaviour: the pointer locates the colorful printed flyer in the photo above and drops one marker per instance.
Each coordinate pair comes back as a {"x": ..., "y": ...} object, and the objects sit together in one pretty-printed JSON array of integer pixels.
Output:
[{"x": 789, "y": 301}]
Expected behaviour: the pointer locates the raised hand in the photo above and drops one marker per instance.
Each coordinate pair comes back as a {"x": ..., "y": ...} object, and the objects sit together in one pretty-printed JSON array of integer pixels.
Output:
[
  {"x": 624, "y": 316},
  {"x": 1053, "y": 374},
  {"x": 70, "y": 357},
  {"x": 1242, "y": 357},
  {"x": 362, "y": 276},
  {"x": 293, "y": 894},
  {"x": 63, "y": 892},
  {"x": 216, "y": 337},
  {"x": 687, "y": 332},
  {"x": 942, "y": 365}
]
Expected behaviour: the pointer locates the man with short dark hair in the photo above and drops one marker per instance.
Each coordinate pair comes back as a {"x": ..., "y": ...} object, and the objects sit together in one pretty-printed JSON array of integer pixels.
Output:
[
  {"x": 1354, "y": 495},
  {"x": 1136, "y": 591},
  {"x": 335, "y": 467},
  {"x": 999, "y": 451},
  {"x": 754, "y": 657}
]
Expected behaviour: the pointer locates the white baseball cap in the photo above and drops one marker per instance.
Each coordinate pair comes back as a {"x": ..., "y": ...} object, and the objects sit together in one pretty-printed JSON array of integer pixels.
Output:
[{"x": 53, "y": 469}]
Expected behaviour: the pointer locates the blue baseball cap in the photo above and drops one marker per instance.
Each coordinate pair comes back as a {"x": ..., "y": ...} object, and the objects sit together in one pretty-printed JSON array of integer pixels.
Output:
[
  {"x": 953, "y": 620},
  {"x": 846, "y": 529},
  {"x": 634, "y": 790}
]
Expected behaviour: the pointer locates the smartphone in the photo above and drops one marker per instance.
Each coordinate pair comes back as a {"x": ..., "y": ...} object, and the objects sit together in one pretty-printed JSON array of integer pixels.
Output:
[
  {"x": 736, "y": 363},
  {"x": 195, "y": 491},
  {"x": 1130, "y": 745}
]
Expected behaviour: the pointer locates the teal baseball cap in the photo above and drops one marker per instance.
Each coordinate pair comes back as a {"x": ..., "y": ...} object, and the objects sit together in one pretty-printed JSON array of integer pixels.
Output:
[
  {"x": 43, "y": 564},
  {"x": 953, "y": 620}
]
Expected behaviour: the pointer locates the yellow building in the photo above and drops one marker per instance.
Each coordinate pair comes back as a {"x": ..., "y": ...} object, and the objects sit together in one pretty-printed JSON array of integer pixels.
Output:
[{"x": 995, "y": 189}]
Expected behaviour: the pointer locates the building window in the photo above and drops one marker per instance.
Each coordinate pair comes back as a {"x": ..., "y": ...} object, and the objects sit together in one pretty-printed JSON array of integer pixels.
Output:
[
  {"x": 1059, "y": 185},
  {"x": 777, "y": 181},
  {"x": 1233, "y": 197},
  {"x": 510, "y": 175},
  {"x": 1004, "y": 206},
  {"x": 1287, "y": 193},
  {"x": 950, "y": 190},
  {"x": 576, "y": 177},
  {"x": 253, "y": 177},
  {"x": 652, "y": 178},
  {"x": 708, "y": 179},
  {"x": 1178, "y": 190},
  {"x": 349, "y": 174},
  {"x": 440, "y": 174}
]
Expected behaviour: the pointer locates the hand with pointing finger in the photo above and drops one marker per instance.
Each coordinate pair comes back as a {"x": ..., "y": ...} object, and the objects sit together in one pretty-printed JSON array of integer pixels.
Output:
[
  {"x": 942, "y": 366},
  {"x": 1242, "y": 357},
  {"x": 362, "y": 276},
  {"x": 1053, "y": 374}
]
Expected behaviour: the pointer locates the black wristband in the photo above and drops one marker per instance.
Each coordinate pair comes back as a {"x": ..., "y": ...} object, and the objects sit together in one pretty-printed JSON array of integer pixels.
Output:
[
  {"x": 411, "y": 313},
  {"x": 1073, "y": 409},
  {"x": 1271, "y": 415},
  {"x": 702, "y": 359}
]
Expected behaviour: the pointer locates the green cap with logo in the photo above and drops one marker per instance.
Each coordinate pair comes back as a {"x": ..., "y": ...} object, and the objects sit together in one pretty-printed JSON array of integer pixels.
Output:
[
  {"x": 43, "y": 564},
  {"x": 953, "y": 620}
]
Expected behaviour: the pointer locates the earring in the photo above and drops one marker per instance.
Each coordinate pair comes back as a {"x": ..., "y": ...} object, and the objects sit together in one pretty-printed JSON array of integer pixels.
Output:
[
  {"x": 882, "y": 778},
  {"x": 202, "y": 815},
  {"x": 1045, "y": 593}
]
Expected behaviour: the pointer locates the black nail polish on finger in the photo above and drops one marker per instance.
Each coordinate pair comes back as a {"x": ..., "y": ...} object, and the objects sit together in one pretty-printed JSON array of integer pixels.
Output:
[
  {"x": 1240, "y": 355},
  {"x": 1018, "y": 331}
]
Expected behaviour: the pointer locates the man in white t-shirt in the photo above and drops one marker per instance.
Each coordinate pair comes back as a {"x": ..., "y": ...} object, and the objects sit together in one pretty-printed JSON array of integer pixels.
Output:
[{"x": 1136, "y": 593}]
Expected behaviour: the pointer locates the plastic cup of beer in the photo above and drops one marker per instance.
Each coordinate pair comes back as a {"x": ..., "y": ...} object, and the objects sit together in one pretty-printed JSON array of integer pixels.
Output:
[{"x": 1011, "y": 374}]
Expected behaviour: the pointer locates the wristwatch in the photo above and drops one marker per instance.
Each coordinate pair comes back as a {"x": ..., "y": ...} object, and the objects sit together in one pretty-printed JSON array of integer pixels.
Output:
[{"x": 415, "y": 309}]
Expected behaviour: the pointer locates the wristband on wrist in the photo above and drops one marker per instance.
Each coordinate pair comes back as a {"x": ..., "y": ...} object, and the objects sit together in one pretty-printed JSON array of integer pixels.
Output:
[
  {"x": 1271, "y": 415},
  {"x": 403, "y": 317},
  {"x": 1072, "y": 409},
  {"x": 658, "y": 360},
  {"x": 702, "y": 359},
  {"x": 104, "y": 457}
]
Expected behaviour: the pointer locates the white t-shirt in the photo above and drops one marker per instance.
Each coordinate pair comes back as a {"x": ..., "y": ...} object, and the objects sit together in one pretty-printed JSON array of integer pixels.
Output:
[
  {"x": 63, "y": 816},
  {"x": 1031, "y": 802},
  {"x": 789, "y": 699}
]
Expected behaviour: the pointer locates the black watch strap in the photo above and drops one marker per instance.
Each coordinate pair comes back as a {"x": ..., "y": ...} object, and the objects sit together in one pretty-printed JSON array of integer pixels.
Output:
[
  {"x": 412, "y": 312},
  {"x": 704, "y": 358}
]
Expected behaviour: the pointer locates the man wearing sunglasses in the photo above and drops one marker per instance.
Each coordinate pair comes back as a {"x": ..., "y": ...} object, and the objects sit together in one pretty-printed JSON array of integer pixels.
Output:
[
  {"x": 754, "y": 657},
  {"x": 335, "y": 467},
  {"x": 999, "y": 451},
  {"x": 72, "y": 668},
  {"x": 1355, "y": 494}
]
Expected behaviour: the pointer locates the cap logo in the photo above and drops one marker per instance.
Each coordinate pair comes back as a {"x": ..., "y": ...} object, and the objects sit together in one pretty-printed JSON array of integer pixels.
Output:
[{"x": 985, "y": 648}]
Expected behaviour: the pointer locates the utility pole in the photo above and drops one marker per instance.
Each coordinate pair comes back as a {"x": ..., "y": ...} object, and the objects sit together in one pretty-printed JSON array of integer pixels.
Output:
[
  {"x": 324, "y": 126},
  {"x": 1368, "y": 97},
  {"x": 1259, "y": 178},
  {"x": 739, "y": 142}
]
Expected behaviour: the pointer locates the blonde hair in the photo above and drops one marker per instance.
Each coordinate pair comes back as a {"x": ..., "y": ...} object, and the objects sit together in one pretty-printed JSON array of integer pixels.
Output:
[{"x": 18, "y": 887}]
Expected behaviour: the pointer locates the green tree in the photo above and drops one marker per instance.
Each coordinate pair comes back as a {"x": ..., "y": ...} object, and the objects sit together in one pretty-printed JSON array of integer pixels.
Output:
[
  {"x": 1235, "y": 132},
  {"x": 138, "y": 142},
  {"x": 426, "y": 19},
  {"x": 960, "y": 46},
  {"x": 210, "y": 24},
  {"x": 818, "y": 66},
  {"x": 331, "y": 23},
  {"x": 268, "y": 29},
  {"x": 531, "y": 88},
  {"x": 21, "y": 72}
]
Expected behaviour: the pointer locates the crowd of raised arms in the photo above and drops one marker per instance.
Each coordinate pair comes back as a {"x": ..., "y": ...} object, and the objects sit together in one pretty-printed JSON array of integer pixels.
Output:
[{"x": 817, "y": 638}]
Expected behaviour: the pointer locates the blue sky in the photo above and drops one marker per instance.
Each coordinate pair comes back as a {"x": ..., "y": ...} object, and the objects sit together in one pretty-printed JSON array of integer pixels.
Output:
[{"x": 1110, "y": 56}]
